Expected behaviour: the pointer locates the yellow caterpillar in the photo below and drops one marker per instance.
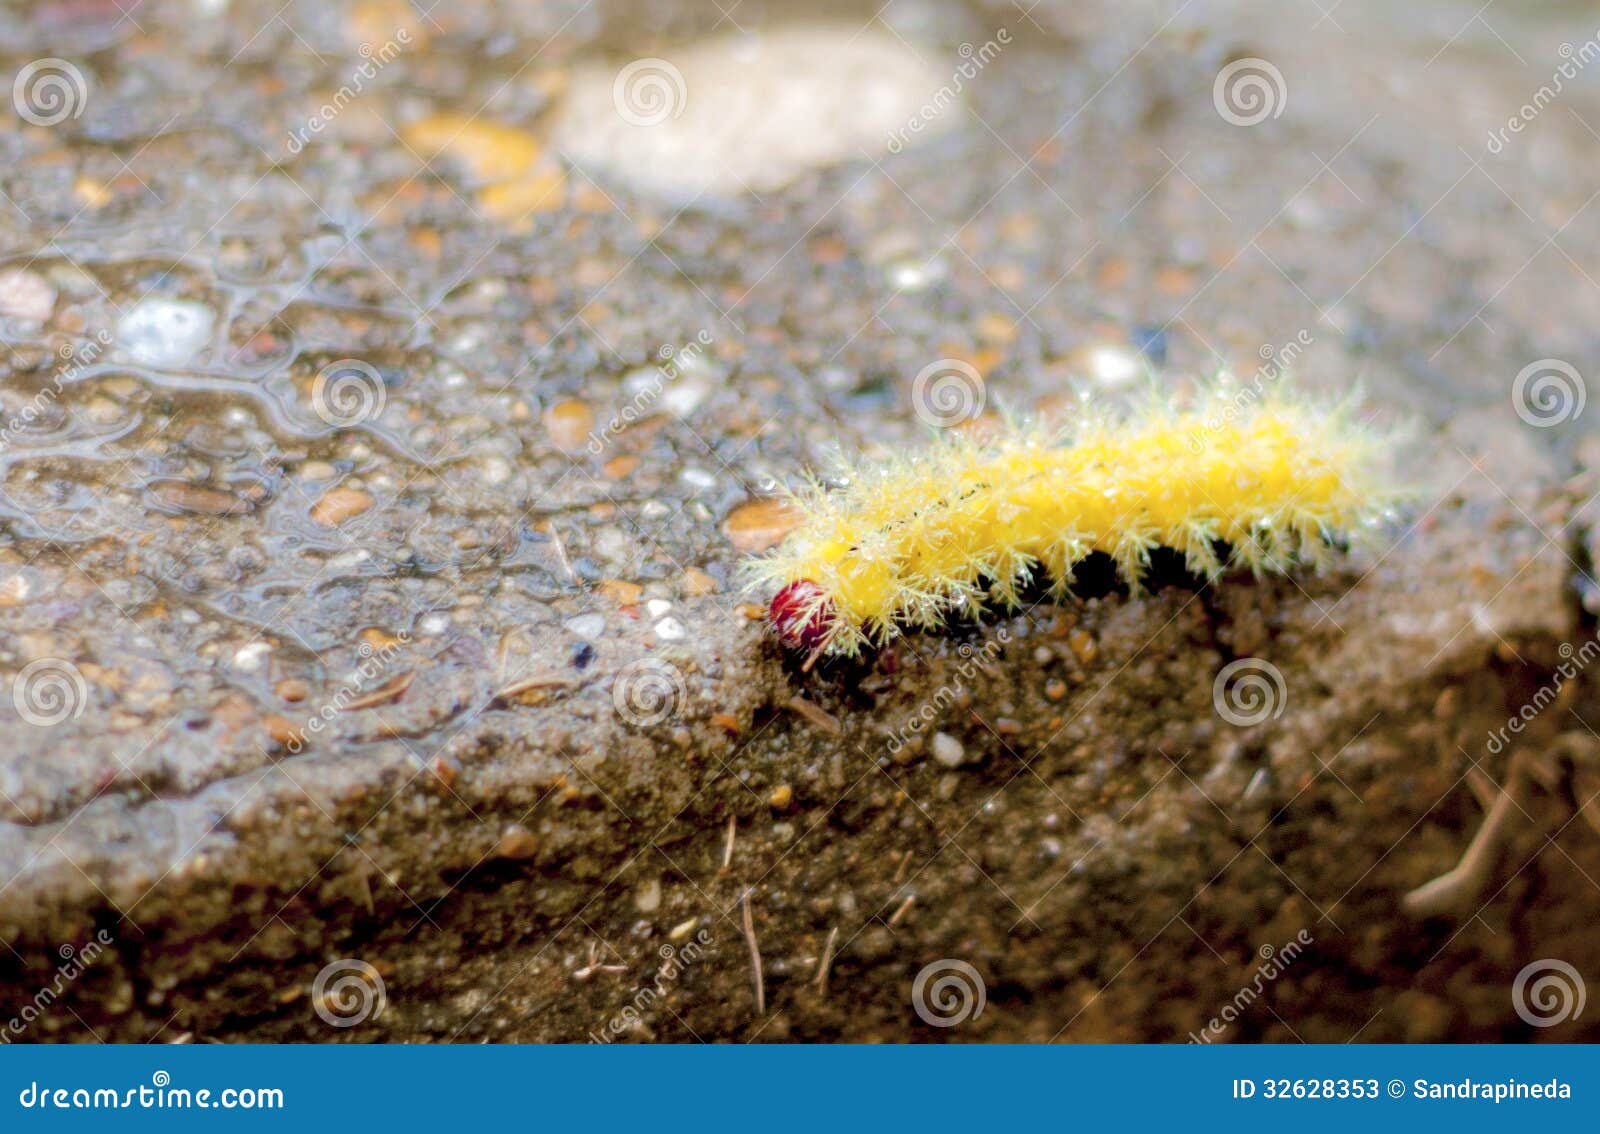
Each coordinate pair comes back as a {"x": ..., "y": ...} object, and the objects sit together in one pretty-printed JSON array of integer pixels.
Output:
[{"x": 967, "y": 525}]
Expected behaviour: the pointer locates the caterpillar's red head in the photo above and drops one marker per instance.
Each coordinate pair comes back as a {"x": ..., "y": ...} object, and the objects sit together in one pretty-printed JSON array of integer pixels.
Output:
[{"x": 802, "y": 615}]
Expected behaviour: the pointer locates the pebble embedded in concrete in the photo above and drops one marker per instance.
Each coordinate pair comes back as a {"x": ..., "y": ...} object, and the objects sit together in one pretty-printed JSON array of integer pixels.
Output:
[
  {"x": 26, "y": 296},
  {"x": 165, "y": 332},
  {"x": 948, "y": 751}
]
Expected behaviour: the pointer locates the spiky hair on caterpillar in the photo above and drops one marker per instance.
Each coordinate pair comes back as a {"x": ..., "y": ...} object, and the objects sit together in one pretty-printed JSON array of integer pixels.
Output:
[{"x": 1236, "y": 478}]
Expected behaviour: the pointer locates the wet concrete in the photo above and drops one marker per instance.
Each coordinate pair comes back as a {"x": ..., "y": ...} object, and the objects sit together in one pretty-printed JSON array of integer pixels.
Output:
[{"x": 380, "y": 594}]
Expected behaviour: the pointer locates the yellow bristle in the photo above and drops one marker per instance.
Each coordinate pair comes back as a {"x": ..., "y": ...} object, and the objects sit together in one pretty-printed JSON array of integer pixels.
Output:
[{"x": 970, "y": 522}]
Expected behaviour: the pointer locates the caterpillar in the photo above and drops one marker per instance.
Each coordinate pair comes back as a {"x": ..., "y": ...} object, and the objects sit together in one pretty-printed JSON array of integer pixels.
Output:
[{"x": 1253, "y": 479}]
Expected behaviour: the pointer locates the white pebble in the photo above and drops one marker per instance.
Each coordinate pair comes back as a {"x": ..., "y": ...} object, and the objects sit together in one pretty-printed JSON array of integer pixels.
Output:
[
  {"x": 948, "y": 750},
  {"x": 657, "y": 608},
  {"x": 684, "y": 395},
  {"x": 27, "y": 296},
  {"x": 251, "y": 657},
  {"x": 165, "y": 332},
  {"x": 589, "y": 626},
  {"x": 670, "y": 630}
]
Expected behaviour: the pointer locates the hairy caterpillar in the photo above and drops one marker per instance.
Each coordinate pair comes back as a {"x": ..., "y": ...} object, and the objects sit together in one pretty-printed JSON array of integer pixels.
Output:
[{"x": 967, "y": 525}]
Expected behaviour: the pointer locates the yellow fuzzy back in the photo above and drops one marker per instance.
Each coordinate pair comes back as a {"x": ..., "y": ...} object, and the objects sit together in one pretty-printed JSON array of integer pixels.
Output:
[{"x": 966, "y": 523}]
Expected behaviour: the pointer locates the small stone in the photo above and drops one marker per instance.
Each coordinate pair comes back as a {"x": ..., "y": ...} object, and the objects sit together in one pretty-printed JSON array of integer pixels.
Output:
[
  {"x": 293, "y": 689},
  {"x": 696, "y": 583},
  {"x": 380, "y": 641},
  {"x": 759, "y": 525},
  {"x": 782, "y": 796},
  {"x": 948, "y": 751},
  {"x": 489, "y": 151},
  {"x": 92, "y": 194},
  {"x": 338, "y": 505},
  {"x": 679, "y": 933},
  {"x": 569, "y": 424},
  {"x": 252, "y": 657},
  {"x": 279, "y": 728},
  {"x": 657, "y": 608},
  {"x": 671, "y": 630},
  {"x": 1055, "y": 690},
  {"x": 26, "y": 296},
  {"x": 516, "y": 842},
  {"x": 537, "y": 191},
  {"x": 588, "y": 626},
  {"x": 685, "y": 394},
  {"x": 165, "y": 332},
  {"x": 180, "y": 496},
  {"x": 1083, "y": 646},
  {"x": 15, "y": 589},
  {"x": 647, "y": 899},
  {"x": 620, "y": 592}
]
